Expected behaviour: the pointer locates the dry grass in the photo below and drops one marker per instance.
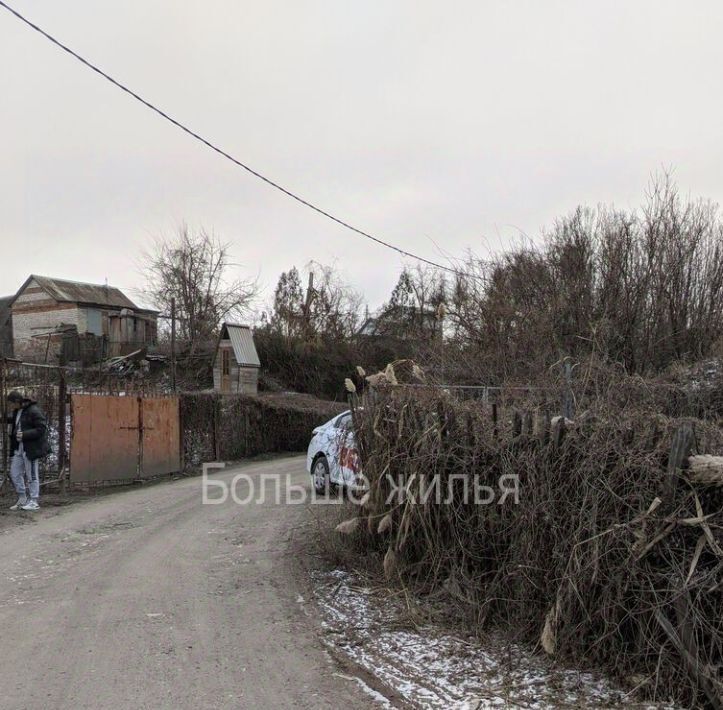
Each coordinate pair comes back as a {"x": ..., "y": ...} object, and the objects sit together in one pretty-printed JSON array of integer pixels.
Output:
[{"x": 619, "y": 562}]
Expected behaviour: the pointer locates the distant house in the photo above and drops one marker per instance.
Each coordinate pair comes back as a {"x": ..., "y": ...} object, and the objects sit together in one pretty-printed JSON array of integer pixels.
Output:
[
  {"x": 57, "y": 320},
  {"x": 236, "y": 362},
  {"x": 403, "y": 323}
]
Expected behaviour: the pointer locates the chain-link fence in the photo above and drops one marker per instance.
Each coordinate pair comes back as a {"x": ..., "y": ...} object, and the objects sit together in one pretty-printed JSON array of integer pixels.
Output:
[
  {"x": 47, "y": 386},
  {"x": 51, "y": 386}
]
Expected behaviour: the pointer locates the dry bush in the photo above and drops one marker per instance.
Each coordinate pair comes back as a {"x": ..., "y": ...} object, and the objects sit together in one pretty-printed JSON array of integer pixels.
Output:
[
  {"x": 315, "y": 368},
  {"x": 643, "y": 288},
  {"x": 620, "y": 562}
]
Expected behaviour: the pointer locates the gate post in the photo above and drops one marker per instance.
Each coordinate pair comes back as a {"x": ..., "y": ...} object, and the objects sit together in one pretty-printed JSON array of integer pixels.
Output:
[
  {"x": 62, "y": 448},
  {"x": 3, "y": 415},
  {"x": 139, "y": 470}
]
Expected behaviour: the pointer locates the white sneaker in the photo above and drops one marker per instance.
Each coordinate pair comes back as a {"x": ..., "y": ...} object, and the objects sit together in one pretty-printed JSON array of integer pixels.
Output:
[
  {"x": 19, "y": 504},
  {"x": 30, "y": 505}
]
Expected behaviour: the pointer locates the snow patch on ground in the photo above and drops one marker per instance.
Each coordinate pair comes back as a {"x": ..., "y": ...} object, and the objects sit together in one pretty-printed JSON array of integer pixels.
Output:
[
  {"x": 378, "y": 697},
  {"x": 430, "y": 668}
]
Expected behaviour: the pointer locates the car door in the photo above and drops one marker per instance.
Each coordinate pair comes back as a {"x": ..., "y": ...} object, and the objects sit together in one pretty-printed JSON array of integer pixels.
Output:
[
  {"x": 346, "y": 454},
  {"x": 334, "y": 435}
]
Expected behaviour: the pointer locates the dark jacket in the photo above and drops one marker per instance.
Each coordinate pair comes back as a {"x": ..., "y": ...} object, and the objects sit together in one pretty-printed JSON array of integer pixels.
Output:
[{"x": 35, "y": 431}]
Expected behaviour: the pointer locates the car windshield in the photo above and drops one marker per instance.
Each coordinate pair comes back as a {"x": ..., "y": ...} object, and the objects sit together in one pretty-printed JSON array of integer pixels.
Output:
[{"x": 344, "y": 421}]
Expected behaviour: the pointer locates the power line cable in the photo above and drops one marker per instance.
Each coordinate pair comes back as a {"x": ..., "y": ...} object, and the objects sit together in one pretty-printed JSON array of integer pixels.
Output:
[{"x": 215, "y": 148}]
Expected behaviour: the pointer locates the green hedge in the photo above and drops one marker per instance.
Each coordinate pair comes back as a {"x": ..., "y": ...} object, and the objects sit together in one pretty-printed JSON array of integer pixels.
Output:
[{"x": 232, "y": 427}]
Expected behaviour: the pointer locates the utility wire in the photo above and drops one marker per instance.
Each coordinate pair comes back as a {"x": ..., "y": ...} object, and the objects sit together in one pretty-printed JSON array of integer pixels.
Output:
[{"x": 215, "y": 148}]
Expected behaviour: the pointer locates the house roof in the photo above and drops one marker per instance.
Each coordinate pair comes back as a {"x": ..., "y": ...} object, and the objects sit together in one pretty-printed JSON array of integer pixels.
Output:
[
  {"x": 391, "y": 316},
  {"x": 242, "y": 341},
  {"x": 85, "y": 293}
]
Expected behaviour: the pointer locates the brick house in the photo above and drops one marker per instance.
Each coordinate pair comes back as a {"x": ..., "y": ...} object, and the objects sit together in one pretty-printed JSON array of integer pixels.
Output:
[{"x": 57, "y": 320}]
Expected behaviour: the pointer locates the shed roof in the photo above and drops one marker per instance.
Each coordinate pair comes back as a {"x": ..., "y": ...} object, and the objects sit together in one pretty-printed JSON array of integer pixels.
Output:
[
  {"x": 85, "y": 293},
  {"x": 242, "y": 341}
]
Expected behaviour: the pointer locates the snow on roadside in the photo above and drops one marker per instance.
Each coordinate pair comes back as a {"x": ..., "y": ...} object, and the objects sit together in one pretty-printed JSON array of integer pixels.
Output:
[
  {"x": 375, "y": 695},
  {"x": 433, "y": 669}
]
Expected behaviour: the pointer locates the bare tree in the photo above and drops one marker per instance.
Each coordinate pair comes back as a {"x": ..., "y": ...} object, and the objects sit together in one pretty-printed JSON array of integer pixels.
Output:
[
  {"x": 325, "y": 308},
  {"x": 416, "y": 306},
  {"x": 194, "y": 268},
  {"x": 643, "y": 289},
  {"x": 333, "y": 308},
  {"x": 287, "y": 311}
]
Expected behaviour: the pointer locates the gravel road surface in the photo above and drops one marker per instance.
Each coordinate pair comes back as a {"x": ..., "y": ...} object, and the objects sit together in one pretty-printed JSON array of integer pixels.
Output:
[{"x": 146, "y": 598}]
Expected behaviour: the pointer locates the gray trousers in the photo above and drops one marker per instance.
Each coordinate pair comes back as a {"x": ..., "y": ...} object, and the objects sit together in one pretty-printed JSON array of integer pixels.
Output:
[{"x": 25, "y": 475}]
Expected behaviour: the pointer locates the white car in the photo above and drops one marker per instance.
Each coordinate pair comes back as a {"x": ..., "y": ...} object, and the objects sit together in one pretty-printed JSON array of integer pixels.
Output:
[{"x": 333, "y": 458}]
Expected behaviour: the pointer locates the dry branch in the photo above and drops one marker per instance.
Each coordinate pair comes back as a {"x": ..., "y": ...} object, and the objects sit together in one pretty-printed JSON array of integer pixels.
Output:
[{"x": 615, "y": 522}]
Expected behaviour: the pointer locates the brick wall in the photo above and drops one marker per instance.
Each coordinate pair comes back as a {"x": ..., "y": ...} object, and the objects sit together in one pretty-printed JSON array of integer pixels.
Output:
[{"x": 34, "y": 313}]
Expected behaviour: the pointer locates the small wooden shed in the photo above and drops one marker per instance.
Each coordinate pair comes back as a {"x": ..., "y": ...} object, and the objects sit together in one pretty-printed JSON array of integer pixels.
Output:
[{"x": 236, "y": 363}]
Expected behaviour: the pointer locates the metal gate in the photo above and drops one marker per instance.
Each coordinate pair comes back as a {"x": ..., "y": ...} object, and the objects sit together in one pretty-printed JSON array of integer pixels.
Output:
[
  {"x": 123, "y": 438},
  {"x": 160, "y": 436}
]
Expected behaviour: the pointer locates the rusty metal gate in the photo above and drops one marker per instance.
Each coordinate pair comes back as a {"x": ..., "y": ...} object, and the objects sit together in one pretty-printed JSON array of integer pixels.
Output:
[
  {"x": 123, "y": 438},
  {"x": 160, "y": 436}
]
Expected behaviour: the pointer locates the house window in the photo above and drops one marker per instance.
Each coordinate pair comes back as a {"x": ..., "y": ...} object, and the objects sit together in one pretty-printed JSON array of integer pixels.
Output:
[{"x": 225, "y": 362}]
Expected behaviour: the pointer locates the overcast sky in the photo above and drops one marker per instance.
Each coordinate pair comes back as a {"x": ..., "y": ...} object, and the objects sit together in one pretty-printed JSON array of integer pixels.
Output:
[{"x": 439, "y": 126}]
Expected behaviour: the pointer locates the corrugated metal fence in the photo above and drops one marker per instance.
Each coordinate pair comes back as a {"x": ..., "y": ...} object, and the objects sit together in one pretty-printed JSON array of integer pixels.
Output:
[{"x": 72, "y": 400}]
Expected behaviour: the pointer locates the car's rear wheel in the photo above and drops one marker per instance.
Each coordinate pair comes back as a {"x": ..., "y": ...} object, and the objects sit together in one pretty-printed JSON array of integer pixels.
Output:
[{"x": 320, "y": 474}]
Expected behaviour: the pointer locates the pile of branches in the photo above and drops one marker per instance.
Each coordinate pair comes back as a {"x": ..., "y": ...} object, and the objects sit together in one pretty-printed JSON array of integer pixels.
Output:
[
  {"x": 613, "y": 554},
  {"x": 683, "y": 391}
]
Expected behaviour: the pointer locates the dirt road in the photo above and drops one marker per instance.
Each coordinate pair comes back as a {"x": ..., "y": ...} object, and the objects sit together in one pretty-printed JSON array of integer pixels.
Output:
[{"x": 149, "y": 599}]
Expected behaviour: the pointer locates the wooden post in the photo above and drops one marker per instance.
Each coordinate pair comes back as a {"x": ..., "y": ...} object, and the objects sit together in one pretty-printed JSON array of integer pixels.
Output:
[
  {"x": 216, "y": 423},
  {"x": 558, "y": 431},
  {"x": 140, "y": 437},
  {"x": 100, "y": 362},
  {"x": 310, "y": 293},
  {"x": 470, "y": 430},
  {"x": 516, "y": 424},
  {"x": 683, "y": 641},
  {"x": 173, "y": 343},
  {"x": 653, "y": 437},
  {"x": 62, "y": 448},
  {"x": 543, "y": 427},
  {"x": 495, "y": 428},
  {"x": 442, "y": 420},
  {"x": 527, "y": 423},
  {"x": 679, "y": 453}
]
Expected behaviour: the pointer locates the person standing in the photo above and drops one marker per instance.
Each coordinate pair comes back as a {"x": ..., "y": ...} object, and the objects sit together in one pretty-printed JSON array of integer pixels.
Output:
[{"x": 28, "y": 444}]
